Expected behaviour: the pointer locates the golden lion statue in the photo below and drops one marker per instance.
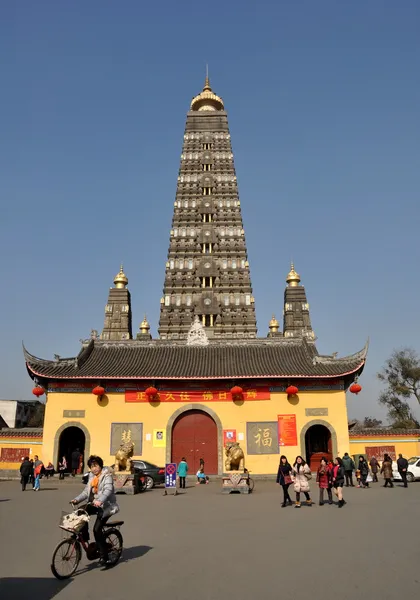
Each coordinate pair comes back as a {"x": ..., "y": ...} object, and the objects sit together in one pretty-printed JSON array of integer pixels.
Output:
[
  {"x": 123, "y": 457},
  {"x": 234, "y": 457}
]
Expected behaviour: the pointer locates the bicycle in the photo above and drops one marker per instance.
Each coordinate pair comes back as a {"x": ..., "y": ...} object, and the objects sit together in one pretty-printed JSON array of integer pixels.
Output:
[
  {"x": 250, "y": 481},
  {"x": 68, "y": 553}
]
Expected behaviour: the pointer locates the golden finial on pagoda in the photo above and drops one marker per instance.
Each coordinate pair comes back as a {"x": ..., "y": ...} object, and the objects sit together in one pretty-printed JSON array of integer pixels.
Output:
[
  {"x": 293, "y": 278},
  {"x": 273, "y": 325},
  {"x": 207, "y": 100},
  {"x": 207, "y": 81},
  {"x": 144, "y": 325},
  {"x": 120, "y": 279}
]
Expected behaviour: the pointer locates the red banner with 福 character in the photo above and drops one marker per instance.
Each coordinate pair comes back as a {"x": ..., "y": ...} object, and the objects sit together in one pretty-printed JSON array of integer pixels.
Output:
[{"x": 249, "y": 394}]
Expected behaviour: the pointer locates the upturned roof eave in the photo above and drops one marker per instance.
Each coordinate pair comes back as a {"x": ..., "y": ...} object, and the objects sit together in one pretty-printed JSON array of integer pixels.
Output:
[{"x": 196, "y": 378}]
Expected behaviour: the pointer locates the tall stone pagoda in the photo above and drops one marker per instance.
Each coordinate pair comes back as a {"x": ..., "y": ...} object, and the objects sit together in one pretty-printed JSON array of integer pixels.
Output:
[{"x": 207, "y": 272}]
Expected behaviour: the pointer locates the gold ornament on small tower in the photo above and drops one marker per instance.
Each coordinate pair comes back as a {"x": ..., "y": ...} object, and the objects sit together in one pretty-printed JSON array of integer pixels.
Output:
[
  {"x": 293, "y": 278},
  {"x": 120, "y": 279},
  {"x": 144, "y": 325},
  {"x": 273, "y": 325}
]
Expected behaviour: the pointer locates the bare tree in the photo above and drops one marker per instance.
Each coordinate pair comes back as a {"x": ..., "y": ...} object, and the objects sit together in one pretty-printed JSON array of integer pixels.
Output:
[
  {"x": 371, "y": 423},
  {"x": 37, "y": 419},
  {"x": 401, "y": 375}
]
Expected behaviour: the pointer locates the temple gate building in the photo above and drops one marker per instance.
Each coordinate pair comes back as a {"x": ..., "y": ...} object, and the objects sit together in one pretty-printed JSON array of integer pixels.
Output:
[{"x": 208, "y": 379}]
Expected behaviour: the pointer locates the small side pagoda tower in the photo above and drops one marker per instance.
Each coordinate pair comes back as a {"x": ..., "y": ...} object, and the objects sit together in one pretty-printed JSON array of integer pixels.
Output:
[
  {"x": 296, "y": 318},
  {"x": 117, "y": 325}
]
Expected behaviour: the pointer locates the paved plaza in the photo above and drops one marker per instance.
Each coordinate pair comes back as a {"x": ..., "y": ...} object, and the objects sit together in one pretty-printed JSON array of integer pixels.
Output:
[{"x": 204, "y": 545}]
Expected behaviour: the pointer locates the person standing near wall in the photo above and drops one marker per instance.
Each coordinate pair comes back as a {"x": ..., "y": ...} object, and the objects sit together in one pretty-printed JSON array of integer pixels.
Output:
[
  {"x": 284, "y": 479},
  {"x": 62, "y": 467},
  {"x": 387, "y": 470},
  {"x": 38, "y": 464},
  {"x": 182, "y": 472},
  {"x": 75, "y": 460},
  {"x": 25, "y": 472},
  {"x": 402, "y": 464},
  {"x": 348, "y": 464}
]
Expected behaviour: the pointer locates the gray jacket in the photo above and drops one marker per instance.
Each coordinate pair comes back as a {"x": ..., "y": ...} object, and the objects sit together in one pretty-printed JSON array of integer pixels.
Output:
[{"x": 105, "y": 493}]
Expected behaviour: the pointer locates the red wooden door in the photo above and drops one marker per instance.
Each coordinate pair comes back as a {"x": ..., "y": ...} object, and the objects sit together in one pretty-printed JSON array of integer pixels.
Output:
[{"x": 194, "y": 436}]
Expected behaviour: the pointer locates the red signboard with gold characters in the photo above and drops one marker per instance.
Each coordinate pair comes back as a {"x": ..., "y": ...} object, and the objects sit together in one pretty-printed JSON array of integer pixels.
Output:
[
  {"x": 13, "y": 455},
  {"x": 249, "y": 394}
]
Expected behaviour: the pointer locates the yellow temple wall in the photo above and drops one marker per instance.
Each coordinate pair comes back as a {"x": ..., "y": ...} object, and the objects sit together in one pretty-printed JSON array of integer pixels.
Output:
[
  {"x": 317, "y": 407},
  {"x": 408, "y": 445},
  {"x": 19, "y": 445}
]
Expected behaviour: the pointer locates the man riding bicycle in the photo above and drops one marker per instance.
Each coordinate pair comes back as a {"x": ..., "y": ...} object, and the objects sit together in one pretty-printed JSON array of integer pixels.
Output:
[{"x": 99, "y": 493}]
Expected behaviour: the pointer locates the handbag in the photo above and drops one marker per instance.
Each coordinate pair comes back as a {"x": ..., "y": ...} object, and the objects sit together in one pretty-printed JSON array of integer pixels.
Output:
[
  {"x": 308, "y": 476},
  {"x": 287, "y": 479}
]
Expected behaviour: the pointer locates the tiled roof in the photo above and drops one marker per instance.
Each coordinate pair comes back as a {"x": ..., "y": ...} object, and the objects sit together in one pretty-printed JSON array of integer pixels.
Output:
[
  {"x": 24, "y": 432},
  {"x": 382, "y": 431},
  {"x": 171, "y": 360}
]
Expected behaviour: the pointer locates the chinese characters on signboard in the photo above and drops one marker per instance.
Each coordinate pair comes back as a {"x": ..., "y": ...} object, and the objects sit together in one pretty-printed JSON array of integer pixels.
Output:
[
  {"x": 121, "y": 432},
  {"x": 170, "y": 475},
  {"x": 262, "y": 437},
  {"x": 13, "y": 455},
  {"x": 287, "y": 430},
  {"x": 250, "y": 394},
  {"x": 379, "y": 451}
]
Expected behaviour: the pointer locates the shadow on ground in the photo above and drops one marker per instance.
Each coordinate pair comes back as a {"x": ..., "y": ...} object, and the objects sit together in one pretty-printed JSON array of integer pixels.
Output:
[
  {"x": 135, "y": 552},
  {"x": 21, "y": 588},
  {"x": 128, "y": 554},
  {"x": 4, "y": 499}
]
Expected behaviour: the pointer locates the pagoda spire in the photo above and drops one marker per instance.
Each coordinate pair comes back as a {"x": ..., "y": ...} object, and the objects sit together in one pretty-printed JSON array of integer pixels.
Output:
[
  {"x": 117, "y": 324},
  {"x": 207, "y": 270},
  {"x": 207, "y": 80},
  {"x": 296, "y": 319}
]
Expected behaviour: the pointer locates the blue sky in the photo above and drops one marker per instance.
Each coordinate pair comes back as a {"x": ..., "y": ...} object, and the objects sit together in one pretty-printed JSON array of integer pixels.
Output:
[{"x": 323, "y": 101}]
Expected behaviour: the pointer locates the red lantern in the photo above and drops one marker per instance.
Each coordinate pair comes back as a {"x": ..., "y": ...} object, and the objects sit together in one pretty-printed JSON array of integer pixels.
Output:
[
  {"x": 237, "y": 392},
  {"x": 98, "y": 390},
  {"x": 292, "y": 390},
  {"x": 151, "y": 392},
  {"x": 38, "y": 391},
  {"x": 355, "y": 388}
]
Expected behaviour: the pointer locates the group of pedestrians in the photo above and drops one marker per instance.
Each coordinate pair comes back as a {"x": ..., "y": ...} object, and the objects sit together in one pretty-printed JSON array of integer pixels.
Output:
[
  {"x": 330, "y": 477},
  {"x": 362, "y": 470},
  {"x": 30, "y": 471},
  {"x": 183, "y": 471}
]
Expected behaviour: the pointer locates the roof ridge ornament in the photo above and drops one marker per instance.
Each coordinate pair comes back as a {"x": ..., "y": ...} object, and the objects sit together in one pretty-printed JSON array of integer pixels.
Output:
[{"x": 197, "y": 335}]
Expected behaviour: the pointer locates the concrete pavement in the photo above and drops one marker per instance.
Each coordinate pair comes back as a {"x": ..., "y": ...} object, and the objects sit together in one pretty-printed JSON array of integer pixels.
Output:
[{"x": 201, "y": 544}]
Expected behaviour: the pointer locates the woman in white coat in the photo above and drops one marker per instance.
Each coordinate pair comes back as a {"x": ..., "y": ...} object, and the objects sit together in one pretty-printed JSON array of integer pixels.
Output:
[{"x": 301, "y": 474}]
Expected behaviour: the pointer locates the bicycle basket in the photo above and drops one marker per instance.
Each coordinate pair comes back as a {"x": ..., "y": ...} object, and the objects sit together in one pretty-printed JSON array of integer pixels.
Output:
[{"x": 75, "y": 521}]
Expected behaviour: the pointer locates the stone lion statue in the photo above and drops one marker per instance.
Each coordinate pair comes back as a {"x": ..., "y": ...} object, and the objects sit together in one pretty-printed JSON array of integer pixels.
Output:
[
  {"x": 234, "y": 457},
  {"x": 123, "y": 457}
]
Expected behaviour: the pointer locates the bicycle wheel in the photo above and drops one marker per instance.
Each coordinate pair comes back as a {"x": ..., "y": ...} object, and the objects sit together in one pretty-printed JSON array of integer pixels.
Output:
[
  {"x": 114, "y": 542},
  {"x": 250, "y": 484},
  {"x": 66, "y": 558}
]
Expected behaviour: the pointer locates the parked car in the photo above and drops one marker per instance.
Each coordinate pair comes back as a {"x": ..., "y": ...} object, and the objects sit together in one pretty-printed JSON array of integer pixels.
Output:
[
  {"x": 148, "y": 474},
  {"x": 140, "y": 478},
  {"x": 153, "y": 475},
  {"x": 413, "y": 471}
]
